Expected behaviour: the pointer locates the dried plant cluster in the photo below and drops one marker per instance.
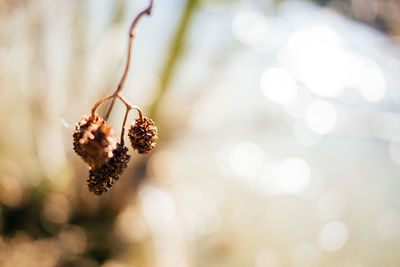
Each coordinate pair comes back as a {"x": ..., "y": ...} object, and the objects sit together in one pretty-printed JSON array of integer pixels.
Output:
[{"x": 94, "y": 141}]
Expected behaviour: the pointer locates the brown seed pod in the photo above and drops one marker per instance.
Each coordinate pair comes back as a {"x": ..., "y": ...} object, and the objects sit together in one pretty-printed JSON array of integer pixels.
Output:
[
  {"x": 94, "y": 141},
  {"x": 143, "y": 135},
  {"x": 102, "y": 179}
]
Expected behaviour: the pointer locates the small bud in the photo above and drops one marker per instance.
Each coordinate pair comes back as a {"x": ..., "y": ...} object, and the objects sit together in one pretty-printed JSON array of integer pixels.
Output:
[
  {"x": 102, "y": 179},
  {"x": 94, "y": 141},
  {"x": 143, "y": 135}
]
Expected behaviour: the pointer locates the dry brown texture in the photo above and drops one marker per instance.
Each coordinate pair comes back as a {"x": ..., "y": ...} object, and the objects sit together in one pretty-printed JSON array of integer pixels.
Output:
[
  {"x": 102, "y": 179},
  {"x": 94, "y": 141},
  {"x": 143, "y": 135}
]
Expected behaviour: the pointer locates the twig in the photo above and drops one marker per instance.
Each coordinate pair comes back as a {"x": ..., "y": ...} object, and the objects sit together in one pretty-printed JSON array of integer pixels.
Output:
[
  {"x": 101, "y": 101},
  {"x": 123, "y": 125},
  {"x": 121, "y": 84}
]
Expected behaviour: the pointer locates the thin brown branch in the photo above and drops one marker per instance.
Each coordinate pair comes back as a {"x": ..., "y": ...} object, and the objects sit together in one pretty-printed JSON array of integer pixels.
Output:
[
  {"x": 129, "y": 105},
  {"x": 101, "y": 101},
  {"x": 123, "y": 125},
  {"x": 121, "y": 84}
]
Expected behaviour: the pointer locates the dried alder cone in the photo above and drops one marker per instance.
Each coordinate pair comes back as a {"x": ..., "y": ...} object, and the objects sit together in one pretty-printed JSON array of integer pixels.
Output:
[
  {"x": 143, "y": 135},
  {"x": 94, "y": 141}
]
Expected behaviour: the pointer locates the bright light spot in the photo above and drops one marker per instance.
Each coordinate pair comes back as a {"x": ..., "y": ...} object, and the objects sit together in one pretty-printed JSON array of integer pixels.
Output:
[
  {"x": 203, "y": 219},
  {"x": 293, "y": 175},
  {"x": 305, "y": 255},
  {"x": 296, "y": 108},
  {"x": 313, "y": 38},
  {"x": 130, "y": 225},
  {"x": 157, "y": 206},
  {"x": 370, "y": 80},
  {"x": 304, "y": 135},
  {"x": 318, "y": 59},
  {"x": 333, "y": 235},
  {"x": 250, "y": 27},
  {"x": 199, "y": 212},
  {"x": 389, "y": 224},
  {"x": 394, "y": 149},
  {"x": 158, "y": 209},
  {"x": 246, "y": 159},
  {"x": 321, "y": 117},
  {"x": 331, "y": 205},
  {"x": 268, "y": 258},
  {"x": 278, "y": 85},
  {"x": 290, "y": 176}
]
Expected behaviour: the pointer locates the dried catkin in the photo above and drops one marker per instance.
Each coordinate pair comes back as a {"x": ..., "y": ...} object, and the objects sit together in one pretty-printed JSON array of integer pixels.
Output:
[{"x": 102, "y": 179}]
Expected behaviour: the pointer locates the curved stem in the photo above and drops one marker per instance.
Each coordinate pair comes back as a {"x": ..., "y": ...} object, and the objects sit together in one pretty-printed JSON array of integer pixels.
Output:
[
  {"x": 130, "y": 106},
  {"x": 101, "y": 101},
  {"x": 123, "y": 125},
  {"x": 121, "y": 84}
]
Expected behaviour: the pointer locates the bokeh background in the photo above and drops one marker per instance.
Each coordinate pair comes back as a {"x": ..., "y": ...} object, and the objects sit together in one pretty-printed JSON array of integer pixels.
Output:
[{"x": 279, "y": 133}]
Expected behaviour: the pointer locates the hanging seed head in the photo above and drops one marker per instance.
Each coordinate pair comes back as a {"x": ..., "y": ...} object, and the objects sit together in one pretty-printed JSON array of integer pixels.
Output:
[
  {"x": 143, "y": 135},
  {"x": 102, "y": 179},
  {"x": 94, "y": 141}
]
